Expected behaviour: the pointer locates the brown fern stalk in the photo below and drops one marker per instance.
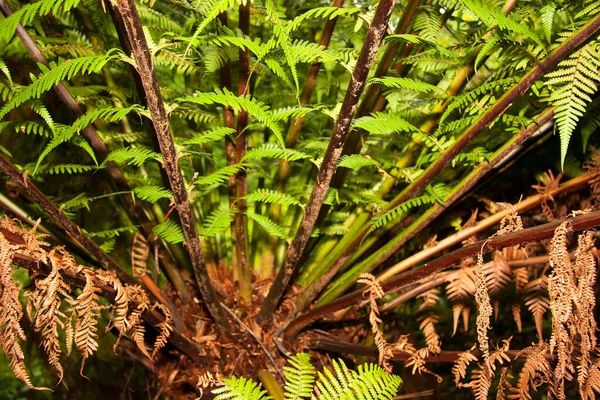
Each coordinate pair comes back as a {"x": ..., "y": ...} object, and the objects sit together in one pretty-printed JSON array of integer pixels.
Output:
[
  {"x": 340, "y": 130},
  {"x": 101, "y": 152},
  {"x": 230, "y": 150},
  {"x": 578, "y": 223},
  {"x": 147, "y": 72},
  {"x": 242, "y": 274}
]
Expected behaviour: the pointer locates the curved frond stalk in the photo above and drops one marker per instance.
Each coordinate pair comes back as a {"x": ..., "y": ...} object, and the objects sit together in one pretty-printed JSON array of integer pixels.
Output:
[
  {"x": 334, "y": 150},
  {"x": 160, "y": 121}
]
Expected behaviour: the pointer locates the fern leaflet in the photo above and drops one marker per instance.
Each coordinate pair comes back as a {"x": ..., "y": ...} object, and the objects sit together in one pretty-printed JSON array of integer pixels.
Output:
[{"x": 170, "y": 231}]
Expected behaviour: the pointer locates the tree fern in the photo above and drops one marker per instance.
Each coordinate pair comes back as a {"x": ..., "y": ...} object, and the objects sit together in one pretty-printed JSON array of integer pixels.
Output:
[
  {"x": 170, "y": 231},
  {"x": 65, "y": 70},
  {"x": 571, "y": 87},
  {"x": 547, "y": 12}
]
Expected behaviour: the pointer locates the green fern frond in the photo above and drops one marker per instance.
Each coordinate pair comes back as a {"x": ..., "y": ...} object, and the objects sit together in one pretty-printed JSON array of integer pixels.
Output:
[
  {"x": 135, "y": 156},
  {"x": 282, "y": 114},
  {"x": 270, "y": 226},
  {"x": 271, "y": 150},
  {"x": 170, "y": 232},
  {"x": 547, "y": 12},
  {"x": 571, "y": 88},
  {"x": 210, "y": 136},
  {"x": 239, "y": 389},
  {"x": 488, "y": 48},
  {"x": 63, "y": 71},
  {"x": 356, "y": 161},
  {"x": 111, "y": 233},
  {"x": 427, "y": 23},
  {"x": 282, "y": 39},
  {"x": 28, "y": 127},
  {"x": 299, "y": 377},
  {"x": 405, "y": 83},
  {"x": 492, "y": 16},
  {"x": 70, "y": 169},
  {"x": 239, "y": 40},
  {"x": 465, "y": 99},
  {"x": 217, "y": 222},
  {"x": 374, "y": 381},
  {"x": 210, "y": 9},
  {"x": 435, "y": 192},
  {"x": 322, "y": 12},
  {"x": 384, "y": 124},
  {"x": 152, "y": 193},
  {"x": 175, "y": 62},
  {"x": 31, "y": 12},
  {"x": 61, "y": 137},
  {"x": 40, "y": 109},
  {"x": 6, "y": 71},
  {"x": 272, "y": 197},
  {"x": 255, "y": 108},
  {"x": 220, "y": 175}
]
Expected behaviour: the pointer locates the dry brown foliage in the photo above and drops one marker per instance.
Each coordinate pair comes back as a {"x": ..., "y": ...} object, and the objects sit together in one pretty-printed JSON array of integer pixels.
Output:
[{"x": 53, "y": 305}]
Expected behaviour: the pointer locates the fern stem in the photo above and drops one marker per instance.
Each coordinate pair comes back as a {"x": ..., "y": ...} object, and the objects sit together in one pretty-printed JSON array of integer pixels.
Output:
[
  {"x": 342, "y": 125},
  {"x": 243, "y": 274},
  {"x": 160, "y": 121},
  {"x": 230, "y": 150},
  {"x": 578, "y": 223}
]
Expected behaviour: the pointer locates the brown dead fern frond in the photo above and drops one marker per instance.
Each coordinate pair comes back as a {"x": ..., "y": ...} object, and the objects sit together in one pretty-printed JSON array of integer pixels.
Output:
[
  {"x": 46, "y": 300},
  {"x": 537, "y": 301},
  {"x": 504, "y": 384},
  {"x": 484, "y": 309},
  {"x": 535, "y": 372},
  {"x": 417, "y": 361},
  {"x": 593, "y": 167},
  {"x": 460, "y": 291},
  {"x": 562, "y": 288},
  {"x": 11, "y": 313},
  {"x": 483, "y": 375},
  {"x": 584, "y": 325},
  {"x": 87, "y": 309},
  {"x": 166, "y": 327},
  {"x": 138, "y": 296},
  {"x": 139, "y": 255},
  {"x": 120, "y": 307},
  {"x": 592, "y": 383},
  {"x": 374, "y": 291},
  {"x": 548, "y": 183},
  {"x": 428, "y": 318},
  {"x": 459, "y": 369}
]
